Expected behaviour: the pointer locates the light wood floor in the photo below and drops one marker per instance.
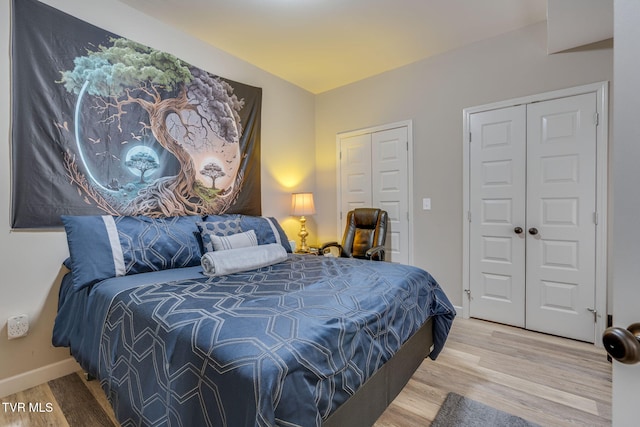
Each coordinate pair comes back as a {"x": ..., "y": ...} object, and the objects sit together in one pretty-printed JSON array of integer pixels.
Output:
[{"x": 548, "y": 380}]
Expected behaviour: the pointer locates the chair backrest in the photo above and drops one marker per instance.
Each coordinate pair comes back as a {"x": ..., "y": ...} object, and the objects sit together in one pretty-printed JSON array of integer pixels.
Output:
[{"x": 366, "y": 228}]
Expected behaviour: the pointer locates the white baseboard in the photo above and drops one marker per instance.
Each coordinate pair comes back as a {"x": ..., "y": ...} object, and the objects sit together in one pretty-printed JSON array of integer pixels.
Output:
[{"x": 38, "y": 376}]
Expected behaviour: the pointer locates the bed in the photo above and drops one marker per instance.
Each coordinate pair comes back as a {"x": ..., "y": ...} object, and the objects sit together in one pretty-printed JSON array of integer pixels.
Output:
[{"x": 304, "y": 341}]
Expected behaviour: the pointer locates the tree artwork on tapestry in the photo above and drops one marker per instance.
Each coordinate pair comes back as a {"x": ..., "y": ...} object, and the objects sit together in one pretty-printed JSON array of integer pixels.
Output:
[
  {"x": 143, "y": 132},
  {"x": 189, "y": 113}
]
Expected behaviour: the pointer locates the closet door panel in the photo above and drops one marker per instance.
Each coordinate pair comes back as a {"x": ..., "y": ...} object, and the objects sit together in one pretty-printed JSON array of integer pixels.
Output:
[
  {"x": 561, "y": 183},
  {"x": 355, "y": 173},
  {"x": 497, "y": 183},
  {"x": 389, "y": 159}
]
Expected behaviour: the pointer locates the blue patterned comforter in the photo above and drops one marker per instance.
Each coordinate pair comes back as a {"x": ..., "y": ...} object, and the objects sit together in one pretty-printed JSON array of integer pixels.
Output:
[{"x": 282, "y": 345}]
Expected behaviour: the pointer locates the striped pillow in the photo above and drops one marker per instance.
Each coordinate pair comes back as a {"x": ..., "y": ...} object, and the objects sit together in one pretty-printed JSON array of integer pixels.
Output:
[{"x": 235, "y": 241}]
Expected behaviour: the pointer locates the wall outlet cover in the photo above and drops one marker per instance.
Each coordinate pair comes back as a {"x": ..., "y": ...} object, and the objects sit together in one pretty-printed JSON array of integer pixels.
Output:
[{"x": 18, "y": 326}]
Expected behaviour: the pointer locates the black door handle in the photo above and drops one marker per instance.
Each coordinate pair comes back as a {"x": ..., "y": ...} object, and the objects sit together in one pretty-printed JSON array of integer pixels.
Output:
[
  {"x": 533, "y": 231},
  {"x": 517, "y": 230}
]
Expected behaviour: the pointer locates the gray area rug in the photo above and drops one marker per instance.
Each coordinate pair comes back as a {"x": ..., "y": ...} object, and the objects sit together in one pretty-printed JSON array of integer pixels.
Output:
[{"x": 459, "y": 411}]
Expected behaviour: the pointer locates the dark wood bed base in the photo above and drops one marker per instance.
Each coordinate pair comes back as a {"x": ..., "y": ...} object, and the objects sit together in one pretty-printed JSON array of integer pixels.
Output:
[{"x": 369, "y": 402}]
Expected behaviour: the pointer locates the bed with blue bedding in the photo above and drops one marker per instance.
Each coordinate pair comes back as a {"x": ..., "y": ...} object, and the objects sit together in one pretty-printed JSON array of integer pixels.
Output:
[{"x": 284, "y": 344}]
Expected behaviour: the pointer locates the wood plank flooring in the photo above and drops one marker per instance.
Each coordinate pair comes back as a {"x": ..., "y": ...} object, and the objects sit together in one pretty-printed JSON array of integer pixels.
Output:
[{"x": 548, "y": 380}]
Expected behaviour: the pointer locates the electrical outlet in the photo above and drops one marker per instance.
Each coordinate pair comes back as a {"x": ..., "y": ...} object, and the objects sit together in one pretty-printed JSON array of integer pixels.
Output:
[{"x": 18, "y": 326}]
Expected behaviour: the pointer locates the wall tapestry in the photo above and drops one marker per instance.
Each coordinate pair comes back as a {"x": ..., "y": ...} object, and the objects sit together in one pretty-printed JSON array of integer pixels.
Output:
[{"x": 104, "y": 125}]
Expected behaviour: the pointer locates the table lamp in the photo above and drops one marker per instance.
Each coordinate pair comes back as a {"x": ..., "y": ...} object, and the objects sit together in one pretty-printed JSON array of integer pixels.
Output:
[{"x": 301, "y": 205}]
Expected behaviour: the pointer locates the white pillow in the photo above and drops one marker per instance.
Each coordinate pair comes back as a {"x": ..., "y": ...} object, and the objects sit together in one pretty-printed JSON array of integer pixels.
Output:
[{"x": 234, "y": 241}]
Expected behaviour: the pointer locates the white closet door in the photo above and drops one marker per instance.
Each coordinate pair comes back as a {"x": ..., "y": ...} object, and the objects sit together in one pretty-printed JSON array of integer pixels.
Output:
[
  {"x": 389, "y": 156},
  {"x": 355, "y": 173},
  {"x": 532, "y": 235},
  {"x": 497, "y": 202},
  {"x": 375, "y": 172},
  {"x": 561, "y": 204}
]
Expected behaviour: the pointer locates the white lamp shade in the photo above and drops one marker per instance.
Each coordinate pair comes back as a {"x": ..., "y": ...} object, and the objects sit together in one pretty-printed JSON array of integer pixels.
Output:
[{"x": 302, "y": 204}]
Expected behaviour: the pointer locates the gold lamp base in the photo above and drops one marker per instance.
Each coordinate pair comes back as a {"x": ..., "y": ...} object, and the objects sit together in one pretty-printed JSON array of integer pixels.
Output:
[
  {"x": 301, "y": 205},
  {"x": 303, "y": 236}
]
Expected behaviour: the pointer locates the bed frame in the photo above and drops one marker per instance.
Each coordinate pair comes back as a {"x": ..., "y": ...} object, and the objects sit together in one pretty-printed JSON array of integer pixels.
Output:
[{"x": 370, "y": 401}]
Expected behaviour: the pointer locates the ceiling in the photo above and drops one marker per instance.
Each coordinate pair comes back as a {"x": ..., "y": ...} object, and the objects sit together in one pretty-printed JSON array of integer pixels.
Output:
[{"x": 323, "y": 44}]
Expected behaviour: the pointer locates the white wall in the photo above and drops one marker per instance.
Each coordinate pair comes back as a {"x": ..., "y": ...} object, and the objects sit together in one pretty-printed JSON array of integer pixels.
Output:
[
  {"x": 30, "y": 261},
  {"x": 433, "y": 93}
]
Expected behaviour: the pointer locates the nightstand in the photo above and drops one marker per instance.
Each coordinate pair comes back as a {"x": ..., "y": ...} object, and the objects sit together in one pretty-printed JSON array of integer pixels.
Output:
[{"x": 312, "y": 251}]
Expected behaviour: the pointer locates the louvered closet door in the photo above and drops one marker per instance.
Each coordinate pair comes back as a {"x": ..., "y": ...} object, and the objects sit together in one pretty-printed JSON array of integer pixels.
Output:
[{"x": 497, "y": 189}]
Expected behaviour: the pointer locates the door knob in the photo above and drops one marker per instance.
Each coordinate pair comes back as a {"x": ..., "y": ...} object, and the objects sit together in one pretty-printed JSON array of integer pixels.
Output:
[
  {"x": 533, "y": 231},
  {"x": 623, "y": 344},
  {"x": 517, "y": 230}
]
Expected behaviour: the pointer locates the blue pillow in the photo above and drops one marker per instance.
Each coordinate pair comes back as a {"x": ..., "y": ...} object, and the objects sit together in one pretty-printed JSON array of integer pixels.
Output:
[
  {"x": 223, "y": 225},
  {"x": 107, "y": 246},
  {"x": 267, "y": 229}
]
